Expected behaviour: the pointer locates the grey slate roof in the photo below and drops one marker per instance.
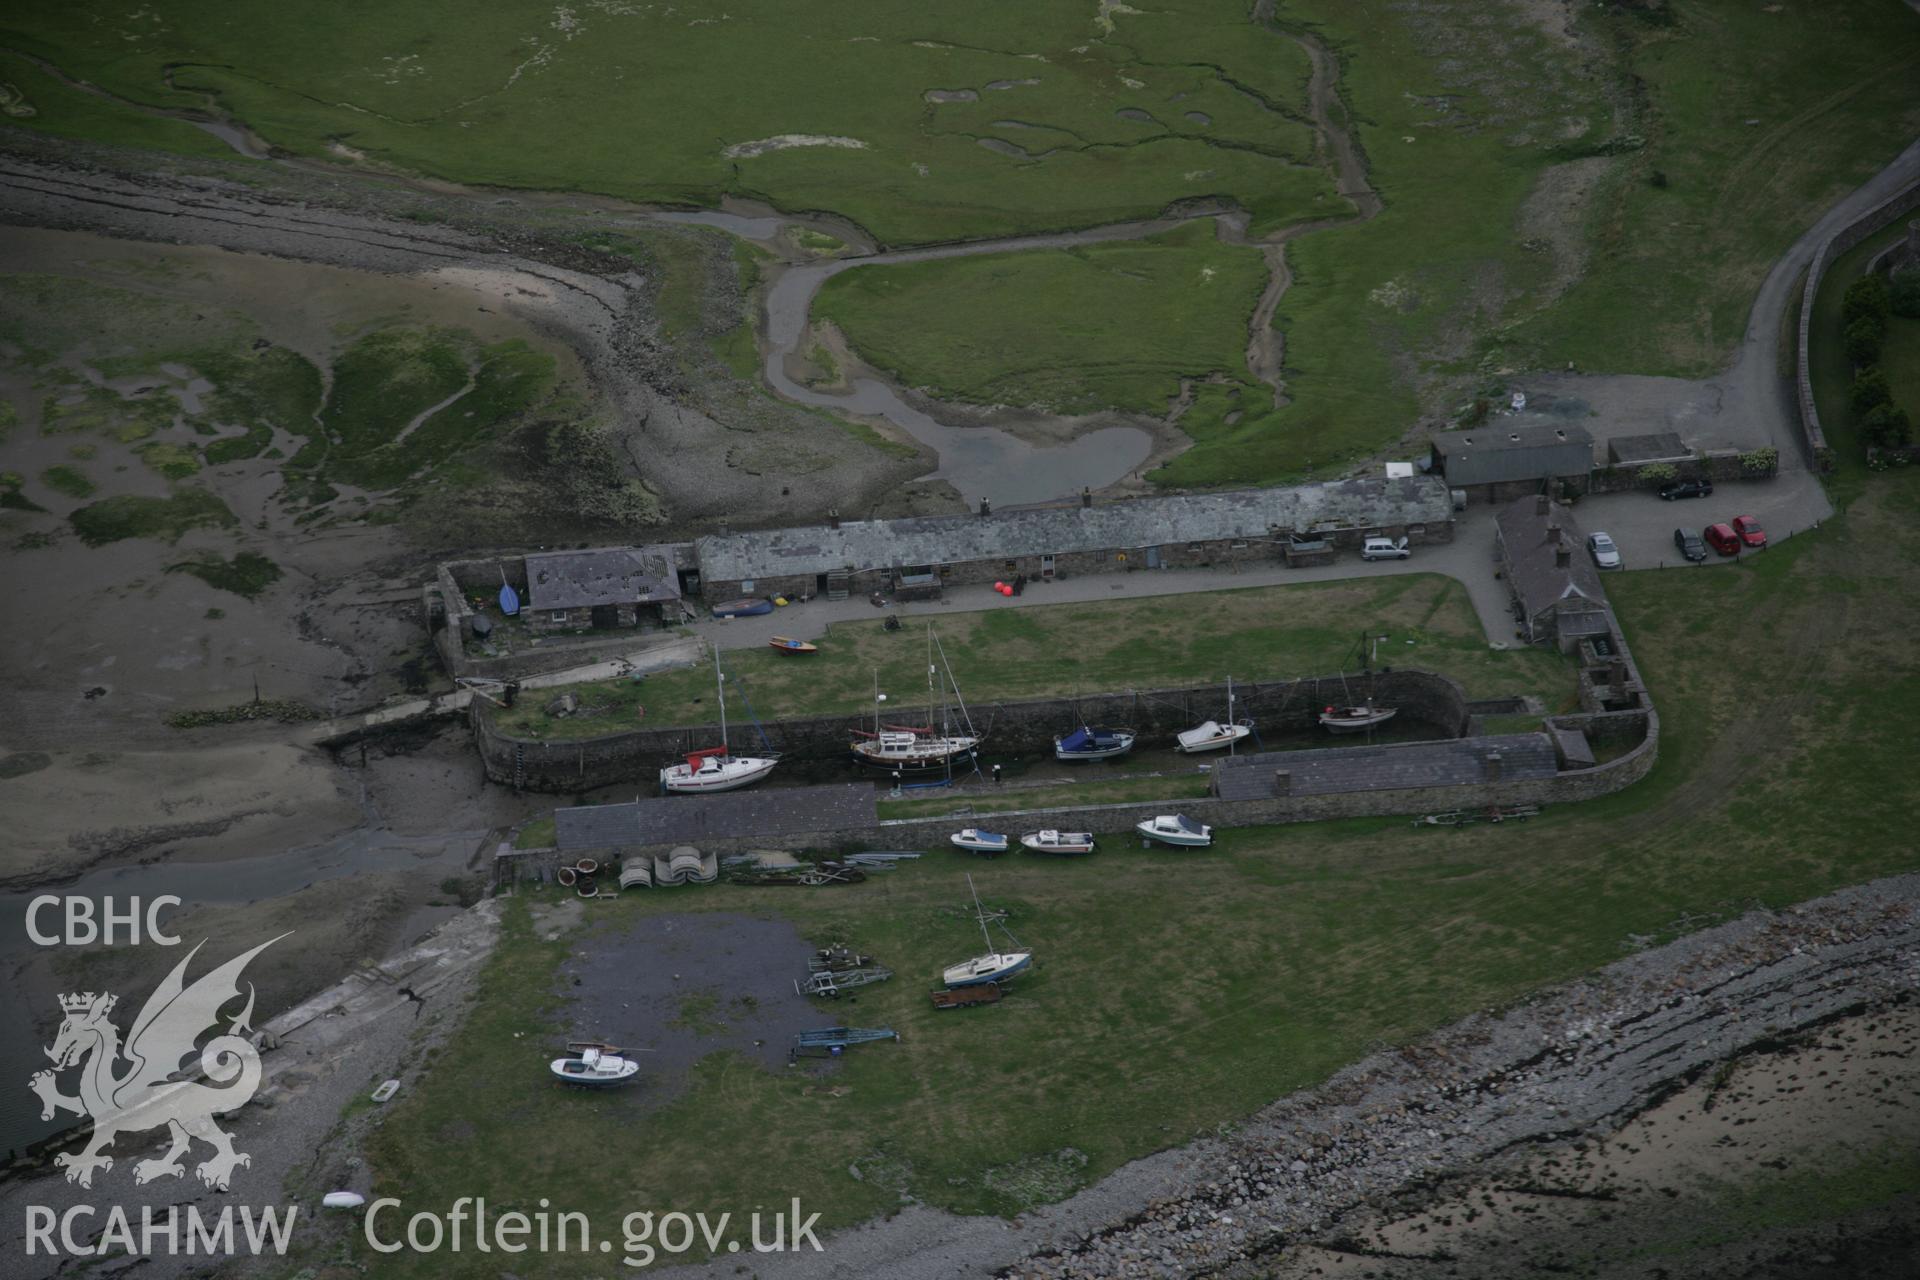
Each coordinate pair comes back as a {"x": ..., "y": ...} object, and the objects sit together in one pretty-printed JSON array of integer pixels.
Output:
[
  {"x": 1658, "y": 446},
  {"x": 1123, "y": 525},
  {"x": 1515, "y": 447},
  {"x": 1531, "y": 571},
  {"x": 1454, "y": 762},
  {"x": 771, "y": 812},
  {"x": 611, "y": 575}
]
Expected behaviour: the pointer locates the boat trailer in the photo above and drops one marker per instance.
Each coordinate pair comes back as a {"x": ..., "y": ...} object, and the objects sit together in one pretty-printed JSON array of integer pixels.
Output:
[
  {"x": 961, "y": 997},
  {"x": 1467, "y": 817},
  {"x": 831, "y": 982},
  {"x": 831, "y": 1042}
]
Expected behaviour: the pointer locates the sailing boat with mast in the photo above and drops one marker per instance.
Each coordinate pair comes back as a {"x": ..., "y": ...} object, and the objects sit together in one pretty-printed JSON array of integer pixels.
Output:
[
  {"x": 1357, "y": 717},
  {"x": 716, "y": 768},
  {"x": 994, "y": 965},
  {"x": 920, "y": 748}
]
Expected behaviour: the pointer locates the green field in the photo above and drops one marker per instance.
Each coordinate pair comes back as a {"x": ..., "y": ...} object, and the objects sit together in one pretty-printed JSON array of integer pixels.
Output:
[
  {"x": 1261, "y": 633},
  {"x": 1523, "y": 226},
  {"x": 1073, "y": 331},
  {"x": 1783, "y": 774},
  {"x": 499, "y": 94}
]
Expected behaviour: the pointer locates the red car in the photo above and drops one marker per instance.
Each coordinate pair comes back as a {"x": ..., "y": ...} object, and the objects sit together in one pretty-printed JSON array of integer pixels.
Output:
[
  {"x": 1750, "y": 531},
  {"x": 1723, "y": 539}
]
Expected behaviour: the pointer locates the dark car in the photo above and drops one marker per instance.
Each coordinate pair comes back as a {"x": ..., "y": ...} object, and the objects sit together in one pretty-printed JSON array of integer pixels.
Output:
[
  {"x": 1723, "y": 539},
  {"x": 1750, "y": 531},
  {"x": 1687, "y": 489},
  {"x": 1691, "y": 544}
]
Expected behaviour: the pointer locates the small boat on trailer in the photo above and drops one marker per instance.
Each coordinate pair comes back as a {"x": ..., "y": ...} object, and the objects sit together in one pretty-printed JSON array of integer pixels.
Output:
[
  {"x": 1212, "y": 736},
  {"x": 1356, "y": 719},
  {"x": 742, "y": 608},
  {"x": 1089, "y": 743},
  {"x": 595, "y": 1066},
  {"x": 995, "y": 966},
  {"x": 974, "y": 840},
  {"x": 1176, "y": 829},
  {"x": 1051, "y": 841},
  {"x": 787, "y": 644}
]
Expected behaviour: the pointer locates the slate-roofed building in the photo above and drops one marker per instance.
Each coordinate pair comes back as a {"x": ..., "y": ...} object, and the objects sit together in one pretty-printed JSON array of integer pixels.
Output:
[
  {"x": 1654, "y": 446},
  {"x": 1554, "y": 583},
  {"x": 1507, "y": 457},
  {"x": 1406, "y": 766},
  {"x": 861, "y": 556},
  {"x": 605, "y": 588}
]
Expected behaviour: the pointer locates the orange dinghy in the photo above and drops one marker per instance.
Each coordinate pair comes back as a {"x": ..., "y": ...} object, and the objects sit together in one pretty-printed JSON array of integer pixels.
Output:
[{"x": 786, "y": 645}]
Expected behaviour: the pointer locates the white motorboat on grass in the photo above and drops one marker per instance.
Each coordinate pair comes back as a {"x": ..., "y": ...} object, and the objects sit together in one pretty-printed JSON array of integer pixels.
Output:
[
  {"x": 1051, "y": 841},
  {"x": 974, "y": 840},
  {"x": 995, "y": 965},
  {"x": 1177, "y": 829},
  {"x": 716, "y": 768},
  {"x": 595, "y": 1066}
]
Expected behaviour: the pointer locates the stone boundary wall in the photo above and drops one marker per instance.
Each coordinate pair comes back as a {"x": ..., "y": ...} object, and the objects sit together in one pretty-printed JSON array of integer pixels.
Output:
[
  {"x": 449, "y": 615},
  {"x": 1022, "y": 727},
  {"x": 1718, "y": 465},
  {"x": 1117, "y": 820},
  {"x": 1819, "y": 453}
]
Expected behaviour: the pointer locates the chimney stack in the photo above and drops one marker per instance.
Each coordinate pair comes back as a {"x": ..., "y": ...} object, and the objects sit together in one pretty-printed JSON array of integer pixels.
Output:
[
  {"x": 1539, "y": 504},
  {"x": 833, "y": 517},
  {"x": 986, "y": 506},
  {"x": 1617, "y": 676},
  {"x": 1493, "y": 766},
  {"x": 1561, "y": 556},
  {"x": 1282, "y": 782},
  {"x": 1086, "y": 496}
]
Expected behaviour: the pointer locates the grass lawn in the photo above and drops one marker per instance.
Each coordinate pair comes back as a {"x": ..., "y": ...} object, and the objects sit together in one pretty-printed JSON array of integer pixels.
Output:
[
  {"x": 1784, "y": 773},
  {"x": 1261, "y": 633},
  {"x": 1900, "y": 357}
]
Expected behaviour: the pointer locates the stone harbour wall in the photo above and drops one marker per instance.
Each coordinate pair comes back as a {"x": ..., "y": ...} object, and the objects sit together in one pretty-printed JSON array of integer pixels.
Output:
[{"x": 1011, "y": 728}]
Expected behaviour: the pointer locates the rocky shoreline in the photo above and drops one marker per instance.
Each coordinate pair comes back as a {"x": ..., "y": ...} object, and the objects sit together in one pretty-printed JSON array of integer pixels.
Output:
[{"x": 1578, "y": 1061}]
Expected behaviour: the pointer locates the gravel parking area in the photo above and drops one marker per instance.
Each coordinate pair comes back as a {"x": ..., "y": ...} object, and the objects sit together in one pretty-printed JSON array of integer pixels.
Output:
[{"x": 1642, "y": 524}]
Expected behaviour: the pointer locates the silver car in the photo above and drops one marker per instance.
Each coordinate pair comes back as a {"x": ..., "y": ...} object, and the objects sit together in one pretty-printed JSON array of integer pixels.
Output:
[{"x": 1604, "y": 553}]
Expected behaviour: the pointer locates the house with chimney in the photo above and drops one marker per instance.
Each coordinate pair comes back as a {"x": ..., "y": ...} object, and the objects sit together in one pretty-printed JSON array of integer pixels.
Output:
[
  {"x": 1515, "y": 455},
  {"x": 1554, "y": 585}
]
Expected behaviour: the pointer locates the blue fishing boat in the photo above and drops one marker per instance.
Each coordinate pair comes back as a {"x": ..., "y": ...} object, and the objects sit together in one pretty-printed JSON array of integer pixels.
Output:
[
  {"x": 1089, "y": 743},
  {"x": 509, "y": 600}
]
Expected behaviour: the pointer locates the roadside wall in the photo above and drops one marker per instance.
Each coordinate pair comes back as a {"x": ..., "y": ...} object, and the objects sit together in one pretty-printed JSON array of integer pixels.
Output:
[
  {"x": 1718, "y": 465},
  {"x": 1813, "y": 437},
  {"x": 1012, "y": 727}
]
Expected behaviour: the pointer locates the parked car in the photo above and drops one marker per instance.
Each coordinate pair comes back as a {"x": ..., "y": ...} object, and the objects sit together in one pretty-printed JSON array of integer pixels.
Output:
[
  {"x": 1691, "y": 545},
  {"x": 1687, "y": 489},
  {"x": 1723, "y": 539},
  {"x": 1385, "y": 549},
  {"x": 1605, "y": 554},
  {"x": 1750, "y": 531}
]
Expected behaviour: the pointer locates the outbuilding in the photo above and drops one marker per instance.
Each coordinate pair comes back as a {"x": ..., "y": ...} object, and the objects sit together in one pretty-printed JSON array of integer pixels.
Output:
[
  {"x": 1515, "y": 455},
  {"x": 606, "y": 588}
]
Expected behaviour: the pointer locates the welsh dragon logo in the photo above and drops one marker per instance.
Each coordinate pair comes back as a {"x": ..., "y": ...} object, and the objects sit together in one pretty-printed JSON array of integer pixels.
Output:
[{"x": 133, "y": 1086}]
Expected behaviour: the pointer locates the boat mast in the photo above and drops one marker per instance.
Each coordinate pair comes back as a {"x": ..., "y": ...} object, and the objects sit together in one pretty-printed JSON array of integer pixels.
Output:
[
  {"x": 720, "y": 692},
  {"x": 980, "y": 914},
  {"x": 966, "y": 716},
  {"x": 1231, "y": 743}
]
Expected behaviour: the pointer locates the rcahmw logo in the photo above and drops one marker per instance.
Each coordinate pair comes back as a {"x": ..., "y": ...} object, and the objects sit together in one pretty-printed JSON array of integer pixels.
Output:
[{"x": 129, "y": 1086}]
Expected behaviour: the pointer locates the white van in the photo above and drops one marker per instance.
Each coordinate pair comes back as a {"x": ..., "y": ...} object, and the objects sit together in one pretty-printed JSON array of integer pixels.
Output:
[{"x": 1385, "y": 549}]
